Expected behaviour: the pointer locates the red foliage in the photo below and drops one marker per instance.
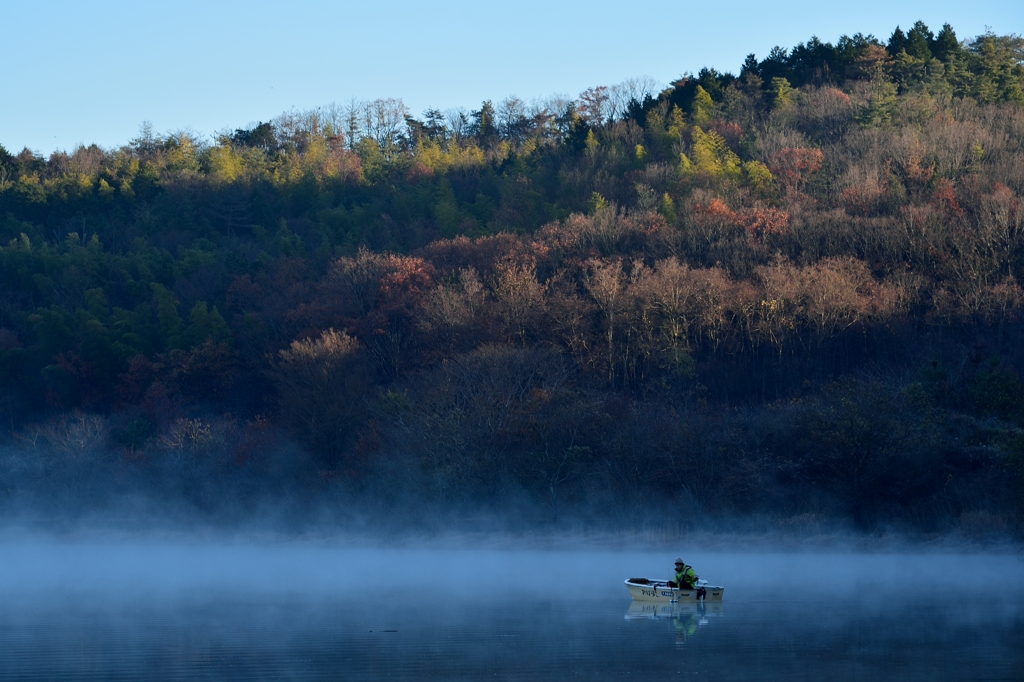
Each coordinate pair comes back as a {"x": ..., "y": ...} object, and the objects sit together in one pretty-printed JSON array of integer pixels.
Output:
[
  {"x": 792, "y": 166},
  {"x": 944, "y": 197},
  {"x": 760, "y": 223},
  {"x": 418, "y": 171},
  {"x": 341, "y": 162},
  {"x": 405, "y": 282},
  {"x": 716, "y": 208},
  {"x": 481, "y": 254},
  {"x": 732, "y": 132}
]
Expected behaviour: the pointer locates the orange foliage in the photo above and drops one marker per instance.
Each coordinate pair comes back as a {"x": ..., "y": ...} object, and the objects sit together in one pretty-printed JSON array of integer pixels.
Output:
[
  {"x": 731, "y": 132},
  {"x": 944, "y": 197},
  {"x": 758, "y": 222},
  {"x": 717, "y": 208},
  {"x": 341, "y": 162},
  {"x": 418, "y": 171},
  {"x": 915, "y": 175},
  {"x": 762, "y": 222},
  {"x": 792, "y": 166}
]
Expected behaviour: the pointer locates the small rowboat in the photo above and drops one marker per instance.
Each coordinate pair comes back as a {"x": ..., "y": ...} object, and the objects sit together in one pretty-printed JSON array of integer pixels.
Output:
[{"x": 644, "y": 589}]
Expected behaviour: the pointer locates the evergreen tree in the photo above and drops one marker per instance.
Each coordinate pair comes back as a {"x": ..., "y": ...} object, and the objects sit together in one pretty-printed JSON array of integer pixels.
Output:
[
  {"x": 919, "y": 41},
  {"x": 897, "y": 42},
  {"x": 702, "y": 110},
  {"x": 946, "y": 46}
]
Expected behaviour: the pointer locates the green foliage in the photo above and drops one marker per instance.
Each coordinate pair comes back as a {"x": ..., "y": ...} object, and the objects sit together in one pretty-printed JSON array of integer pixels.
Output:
[
  {"x": 997, "y": 64},
  {"x": 206, "y": 325},
  {"x": 881, "y": 103},
  {"x": 747, "y": 251},
  {"x": 167, "y": 316}
]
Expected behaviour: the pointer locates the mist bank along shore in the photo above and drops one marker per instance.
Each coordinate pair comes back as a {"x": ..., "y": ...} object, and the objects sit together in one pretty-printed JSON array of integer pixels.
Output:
[{"x": 749, "y": 535}]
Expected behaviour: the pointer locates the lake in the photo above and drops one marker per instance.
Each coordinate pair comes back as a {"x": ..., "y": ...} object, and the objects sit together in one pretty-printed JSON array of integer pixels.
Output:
[{"x": 192, "y": 611}]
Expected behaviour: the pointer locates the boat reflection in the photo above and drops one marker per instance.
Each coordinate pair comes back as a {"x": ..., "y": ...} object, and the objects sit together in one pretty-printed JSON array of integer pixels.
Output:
[
  {"x": 687, "y": 618},
  {"x": 640, "y": 610}
]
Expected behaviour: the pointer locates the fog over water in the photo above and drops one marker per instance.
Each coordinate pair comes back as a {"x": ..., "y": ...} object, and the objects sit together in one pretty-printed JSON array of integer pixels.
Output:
[
  {"x": 180, "y": 610},
  {"x": 168, "y": 569}
]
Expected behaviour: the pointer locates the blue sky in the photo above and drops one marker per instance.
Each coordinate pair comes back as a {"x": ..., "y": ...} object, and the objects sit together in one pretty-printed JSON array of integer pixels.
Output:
[{"x": 92, "y": 72}]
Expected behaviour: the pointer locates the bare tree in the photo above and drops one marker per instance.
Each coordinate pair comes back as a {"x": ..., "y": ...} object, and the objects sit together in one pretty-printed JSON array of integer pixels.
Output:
[
  {"x": 512, "y": 120},
  {"x": 595, "y": 105},
  {"x": 458, "y": 123},
  {"x": 632, "y": 89},
  {"x": 384, "y": 122}
]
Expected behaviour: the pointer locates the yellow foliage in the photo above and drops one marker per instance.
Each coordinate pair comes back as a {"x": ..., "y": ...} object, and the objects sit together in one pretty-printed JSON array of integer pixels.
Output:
[
  {"x": 703, "y": 110},
  {"x": 596, "y": 203},
  {"x": 225, "y": 163},
  {"x": 668, "y": 208},
  {"x": 758, "y": 176},
  {"x": 182, "y": 154},
  {"x": 782, "y": 93},
  {"x": 442, "y": 160},
  {"x": 676, "y": 124},
  {"x": 712, "y": 156},
  {"x": 685, "y": 165},
  {"x": 315, "y": 155},
  {"x": 330, "y": 345}
]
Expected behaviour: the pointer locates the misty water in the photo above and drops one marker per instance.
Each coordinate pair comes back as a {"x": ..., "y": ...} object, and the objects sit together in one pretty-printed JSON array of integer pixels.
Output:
[{"x": 185, "y": 611}]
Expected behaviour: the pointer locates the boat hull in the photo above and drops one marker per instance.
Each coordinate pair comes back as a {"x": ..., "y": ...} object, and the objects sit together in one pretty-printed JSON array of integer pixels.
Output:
[{"x": 659, "y": 591}]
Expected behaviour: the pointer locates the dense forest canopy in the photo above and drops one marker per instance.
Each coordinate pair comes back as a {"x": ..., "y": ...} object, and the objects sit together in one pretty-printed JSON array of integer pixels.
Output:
[{"x": 790, "y": 291}]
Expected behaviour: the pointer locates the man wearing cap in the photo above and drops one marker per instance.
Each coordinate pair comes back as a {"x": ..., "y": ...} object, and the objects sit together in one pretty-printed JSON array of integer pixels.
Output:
[{"x": 685, "y": 577}]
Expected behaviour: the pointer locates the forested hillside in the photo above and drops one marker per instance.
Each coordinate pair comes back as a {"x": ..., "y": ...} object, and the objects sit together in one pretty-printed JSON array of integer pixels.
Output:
[{"x": 788, "y": 294}]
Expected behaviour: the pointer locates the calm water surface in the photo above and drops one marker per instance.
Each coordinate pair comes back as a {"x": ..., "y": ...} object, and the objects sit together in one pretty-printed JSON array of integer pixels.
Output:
[{"x": 210, "y": 613}]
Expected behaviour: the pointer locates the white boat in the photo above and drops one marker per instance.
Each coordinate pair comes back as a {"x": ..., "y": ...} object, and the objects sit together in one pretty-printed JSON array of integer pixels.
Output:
[{"x": 645, "y": 589}]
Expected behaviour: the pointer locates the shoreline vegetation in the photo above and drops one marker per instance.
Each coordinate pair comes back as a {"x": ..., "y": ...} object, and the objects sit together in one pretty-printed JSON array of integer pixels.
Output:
[{"x": 789, "y": 295}]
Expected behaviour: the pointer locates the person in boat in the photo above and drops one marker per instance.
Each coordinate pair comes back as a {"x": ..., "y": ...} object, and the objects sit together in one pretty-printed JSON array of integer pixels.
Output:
[{"x": 685, "y": 576}]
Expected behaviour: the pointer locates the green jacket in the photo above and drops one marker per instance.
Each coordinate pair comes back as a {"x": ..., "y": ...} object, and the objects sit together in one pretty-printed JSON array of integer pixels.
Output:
[{"x": 686, "y": 577}]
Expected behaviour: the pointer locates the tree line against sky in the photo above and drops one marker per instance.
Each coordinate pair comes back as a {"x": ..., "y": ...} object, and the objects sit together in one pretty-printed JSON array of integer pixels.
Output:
[{"x": 792, "y": 291}]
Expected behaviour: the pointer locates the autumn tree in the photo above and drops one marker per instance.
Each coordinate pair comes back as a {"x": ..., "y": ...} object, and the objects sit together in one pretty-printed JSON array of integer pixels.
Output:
[{"x": 321, "y": 385}]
